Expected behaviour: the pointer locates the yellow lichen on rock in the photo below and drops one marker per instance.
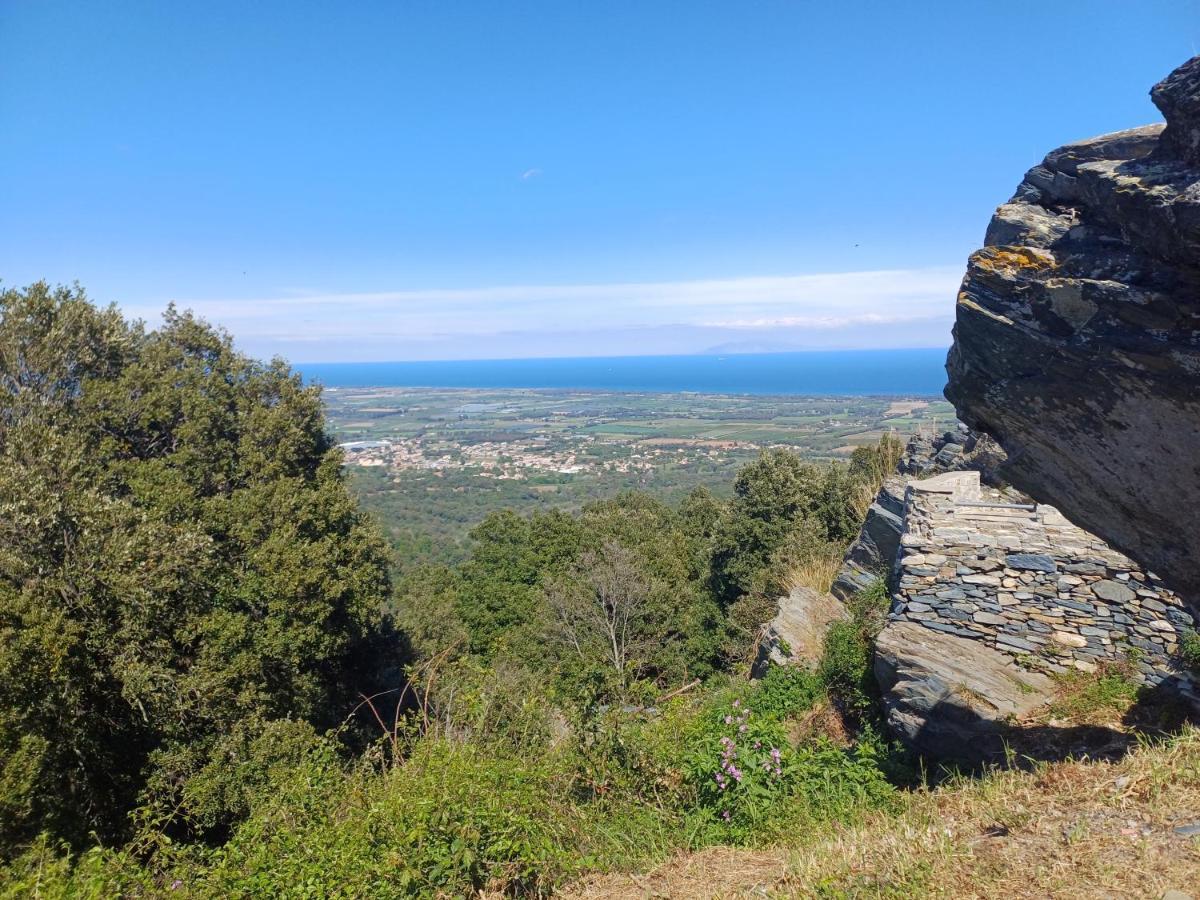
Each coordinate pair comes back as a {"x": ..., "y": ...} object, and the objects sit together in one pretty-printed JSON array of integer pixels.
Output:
[{"x": 1012, "y": 262}]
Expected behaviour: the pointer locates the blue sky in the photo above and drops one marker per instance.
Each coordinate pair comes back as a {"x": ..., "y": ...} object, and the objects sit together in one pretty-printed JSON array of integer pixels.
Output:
[{"x": 493, "y": 179}]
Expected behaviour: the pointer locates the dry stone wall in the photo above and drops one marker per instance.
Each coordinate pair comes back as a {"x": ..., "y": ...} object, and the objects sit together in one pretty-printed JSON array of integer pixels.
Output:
[
  {"x": 873, "y": 553},
  {"x": 1021, "y": 579}
]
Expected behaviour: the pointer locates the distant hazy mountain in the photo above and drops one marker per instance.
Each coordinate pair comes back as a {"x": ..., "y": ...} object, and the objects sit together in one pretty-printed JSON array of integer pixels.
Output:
[{"x": 753, "y": 347}]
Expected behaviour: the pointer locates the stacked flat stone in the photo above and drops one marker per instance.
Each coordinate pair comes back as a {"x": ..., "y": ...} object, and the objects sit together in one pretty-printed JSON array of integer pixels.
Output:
[{"x": 1024, "y": 580}]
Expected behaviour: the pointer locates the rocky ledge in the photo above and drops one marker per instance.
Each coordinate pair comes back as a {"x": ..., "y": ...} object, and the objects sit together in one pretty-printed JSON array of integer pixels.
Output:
[{"x": 1077, "y": 340}]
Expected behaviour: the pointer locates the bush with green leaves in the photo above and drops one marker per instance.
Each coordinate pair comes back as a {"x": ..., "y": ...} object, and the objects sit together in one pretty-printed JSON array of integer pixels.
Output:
[
  {"x": 785, "y": 691},
  {"x": 452, "y": 820},
  {"x": 1189, "y": 649},
  {"x": 183, "y": 573},
  {"x": 454, "y": 817},
  {"x": 751, "y": 782}
]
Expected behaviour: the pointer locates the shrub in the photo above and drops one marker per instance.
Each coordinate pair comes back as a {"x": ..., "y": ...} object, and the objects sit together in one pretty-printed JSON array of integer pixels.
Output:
[
  {"x": 504, "y": 704},
  {"x": 787, "y": 690},
  {"x": 750, "y": 783},
  {"x": 846, "y": 665},
  {"x": 836, "y": 784},
  {"x": 452, "y": 820},
  {"x": 1189, "y": 649}
]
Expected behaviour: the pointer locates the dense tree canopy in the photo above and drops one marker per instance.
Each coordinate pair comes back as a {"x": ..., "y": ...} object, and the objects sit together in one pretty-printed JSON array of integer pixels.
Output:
[{"x": 186, "y": 587}]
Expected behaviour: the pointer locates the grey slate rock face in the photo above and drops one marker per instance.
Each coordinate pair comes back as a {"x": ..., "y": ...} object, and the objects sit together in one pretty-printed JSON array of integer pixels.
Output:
[
  {"x": 951, "y": 698},
  {"x": 874, "y": 550},
  {"x": 1077, "y": 340},
  {"x": 1018, "y": 643},
  {"x": 796, "y": 634},
  {"x": 1078, "y": 607},
  {"x": 1178, "y": 98},
  {"x": 851, "y": 580}
]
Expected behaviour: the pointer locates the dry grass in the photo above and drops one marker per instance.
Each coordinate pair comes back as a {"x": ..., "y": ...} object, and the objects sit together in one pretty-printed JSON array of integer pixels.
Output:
[
  {"x": 823, "y": 722},
  {"x": 1072, "y": 829},
  {"x": 715, "y": 872},
  {"x": 817, "y": 571}
]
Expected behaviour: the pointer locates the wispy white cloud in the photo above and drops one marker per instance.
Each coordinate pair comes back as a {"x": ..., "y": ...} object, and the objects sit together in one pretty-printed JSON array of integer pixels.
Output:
[
  {"x": 912, "y": 307},
  {"x": 821, "y": 323},
  {"x": 530, "y": 173}
]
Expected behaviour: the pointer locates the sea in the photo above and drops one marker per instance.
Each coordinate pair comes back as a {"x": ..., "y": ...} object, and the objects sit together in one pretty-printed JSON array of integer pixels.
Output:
[{"x": 907, "y": 373}]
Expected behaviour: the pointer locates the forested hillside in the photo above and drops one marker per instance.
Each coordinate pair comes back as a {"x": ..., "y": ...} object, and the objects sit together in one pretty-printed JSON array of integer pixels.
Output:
[
  {"x": 631, "y": 596},
  {"x": 198, "y": 638}
]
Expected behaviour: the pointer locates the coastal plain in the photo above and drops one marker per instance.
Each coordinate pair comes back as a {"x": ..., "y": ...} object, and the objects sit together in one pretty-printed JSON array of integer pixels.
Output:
[{"x": 432, "y": 463}]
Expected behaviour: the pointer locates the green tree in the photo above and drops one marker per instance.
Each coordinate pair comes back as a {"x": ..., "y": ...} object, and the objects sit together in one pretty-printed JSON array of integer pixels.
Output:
[
  {"x": 700, "y": 516},
  {"x": 186, "y": 587},
  {"x": 511, "y": 560},
  {"x": 772, "y": 495}
]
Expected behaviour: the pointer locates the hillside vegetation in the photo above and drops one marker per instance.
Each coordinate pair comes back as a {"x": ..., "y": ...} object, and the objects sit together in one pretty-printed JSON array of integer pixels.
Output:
[{"x": 210, "y": 687}]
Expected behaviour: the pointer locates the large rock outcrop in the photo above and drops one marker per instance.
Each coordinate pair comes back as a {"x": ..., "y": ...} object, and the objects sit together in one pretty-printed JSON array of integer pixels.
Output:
[{"x": 1077, "y": 341}]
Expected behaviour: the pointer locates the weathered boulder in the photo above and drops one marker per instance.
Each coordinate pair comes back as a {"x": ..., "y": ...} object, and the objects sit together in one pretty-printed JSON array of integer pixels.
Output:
[
  {"x": 1077, "y": 335},
  {"x": 949, "y": 697},
  {"x": 797, "y": 633}
]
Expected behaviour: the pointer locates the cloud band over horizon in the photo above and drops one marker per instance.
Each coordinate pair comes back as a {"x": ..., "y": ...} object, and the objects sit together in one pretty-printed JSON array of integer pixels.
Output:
[{"x": 834, "y": 311}]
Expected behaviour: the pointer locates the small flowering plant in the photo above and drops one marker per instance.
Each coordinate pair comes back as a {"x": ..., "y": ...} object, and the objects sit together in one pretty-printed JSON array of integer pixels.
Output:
[{"x": 741, "y": 767}]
